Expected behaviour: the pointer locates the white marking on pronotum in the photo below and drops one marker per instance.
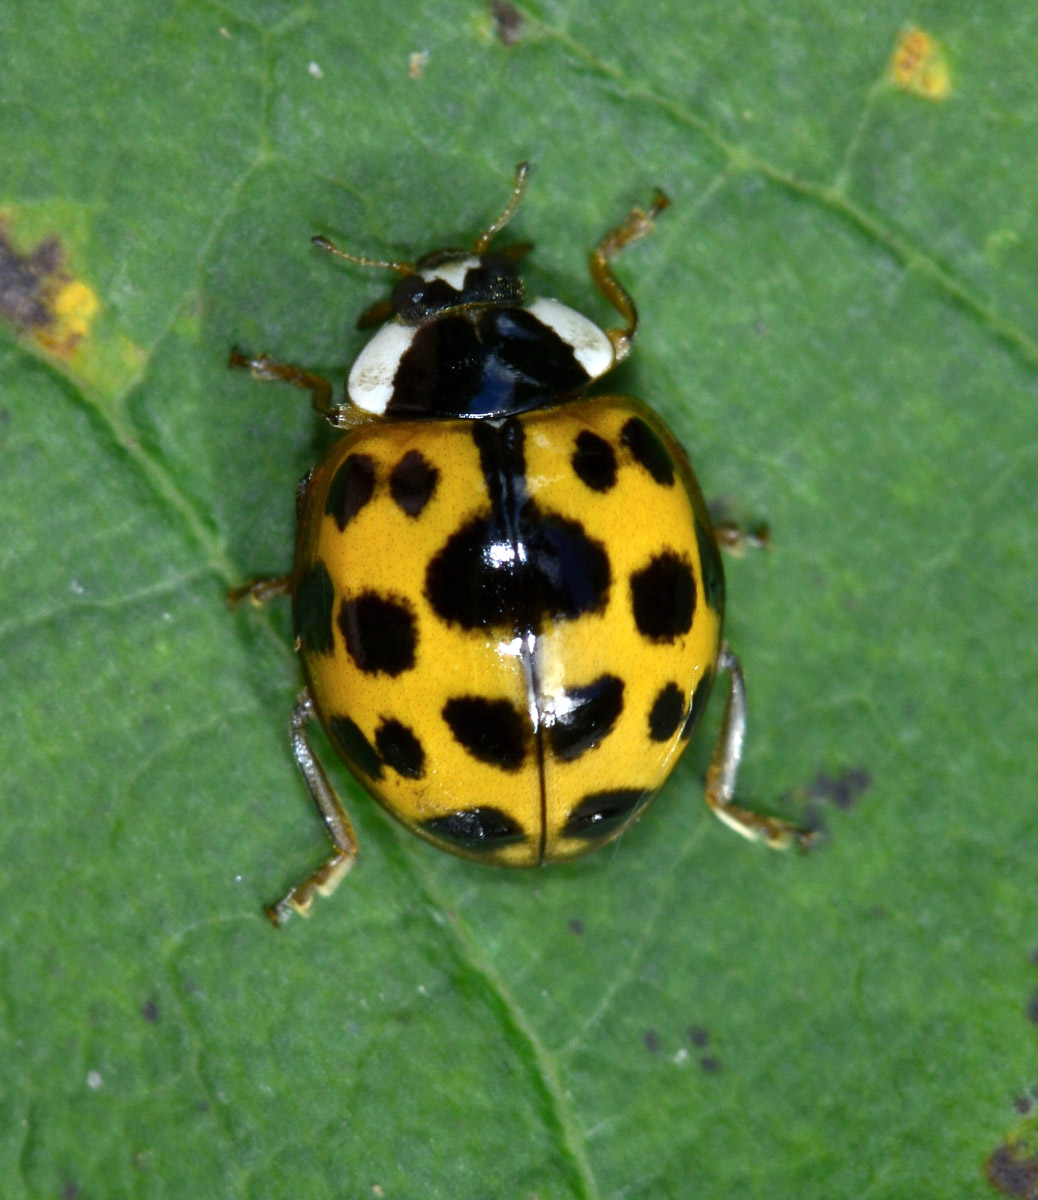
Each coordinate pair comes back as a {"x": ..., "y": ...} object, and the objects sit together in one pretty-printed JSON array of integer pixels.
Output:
[
  {"x": 370, "y": 384},
  {"x": 591, "y": 348},
  {"x": 452, "y": 273}
]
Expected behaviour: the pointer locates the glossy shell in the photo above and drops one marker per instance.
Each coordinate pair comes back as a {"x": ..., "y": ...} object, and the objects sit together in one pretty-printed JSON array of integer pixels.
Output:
[{"x": 509, "y": 627}]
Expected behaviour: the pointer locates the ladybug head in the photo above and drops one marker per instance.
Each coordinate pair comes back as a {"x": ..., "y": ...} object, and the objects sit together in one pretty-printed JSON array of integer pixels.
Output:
[
  {"x": 449, "y": 279},
  {"x": 443, "y": 280},
  {"x": 457, "y": 338}
]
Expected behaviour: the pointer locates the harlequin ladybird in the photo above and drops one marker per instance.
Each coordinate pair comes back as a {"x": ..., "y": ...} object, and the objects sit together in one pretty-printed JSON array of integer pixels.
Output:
[{"x": 507, "y": 595}]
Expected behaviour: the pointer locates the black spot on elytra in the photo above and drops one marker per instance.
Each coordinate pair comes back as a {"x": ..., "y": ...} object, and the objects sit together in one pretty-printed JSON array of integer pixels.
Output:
[
  {"x": 476, "y": 829},
  {"x": 400, "y": 749},
  {"x": 648, "y": 449},
  {"x": 515, "y": 567},
  {"x": 600, "y": 814},
  {"x": 301, "y": 487},
  {"x": 667, "y": 711},
  {"x": 695, "y": 710},
  {"x": 711, "y": 566},
  {"x": 354, "y": 746},
  {"x": 552, "y": 570},
  {"x": 493, "y": 731},
  {"x": 594, "y": 461},
  {"x": 663, "y": 596},
  {"x": 312, "y": 604},
  {"x": 350, "y": 489},
  {"x": 587, "y": 715},
  {"x": 412, "y": 482},
  {"x": 380, "y": 633}
]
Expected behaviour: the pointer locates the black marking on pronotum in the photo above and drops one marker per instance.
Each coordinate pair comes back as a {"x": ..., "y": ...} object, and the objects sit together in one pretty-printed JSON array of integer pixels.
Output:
[
  {"x": 400, "y": 749},
  {"x": 699, "y": 698},
  {"x": 476, "y": 829},
  {"x": 594, "y": 461},
  {"x": 663, "y": 597},
  {"x": 355, "y": 746},
  {"x": 647, "y": 447},
  {"x": 602, "y": 813},
  {"x": 515, "y": 567},
  {"x": 493, "y": 731},
  {"x": 667, "y": 712},
  {"x": 483, "y": 362},
  {"x": 312, "y": 605},
  {"x": 350, "y": 489},
  {"x": 380, "y": 632},
  {"x": 412, "y": 482},
  {"x": 584, "y": 716}
]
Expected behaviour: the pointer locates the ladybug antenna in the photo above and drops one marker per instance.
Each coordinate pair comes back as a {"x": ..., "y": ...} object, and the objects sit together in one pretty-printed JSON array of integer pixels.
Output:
[
  {"x": 522, "y": 172},
  {"x": 401, "y": 268}
]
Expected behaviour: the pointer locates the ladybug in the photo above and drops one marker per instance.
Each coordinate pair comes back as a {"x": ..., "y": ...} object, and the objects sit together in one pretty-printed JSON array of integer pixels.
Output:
[{"x": 507, "y": 594}]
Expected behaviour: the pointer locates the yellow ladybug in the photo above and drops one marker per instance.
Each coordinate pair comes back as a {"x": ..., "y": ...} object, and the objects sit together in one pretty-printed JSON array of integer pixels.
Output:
[{"x": 507, "y": 595}]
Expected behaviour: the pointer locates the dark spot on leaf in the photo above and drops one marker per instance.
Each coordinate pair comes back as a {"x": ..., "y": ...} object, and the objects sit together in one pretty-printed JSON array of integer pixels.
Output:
[
  {"x": 698, "y": 1036},
  {"x": 842, "y": 789},
  {"x": 508, "y": 22},
  {"x": 710, "y": 1065},
  {"x": 1013, "y": 1169},
  {"x": 652, "y": 1041}
]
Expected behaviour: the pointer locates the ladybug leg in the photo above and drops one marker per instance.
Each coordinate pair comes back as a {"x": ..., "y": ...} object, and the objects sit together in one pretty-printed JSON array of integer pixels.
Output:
[
  {"x": 263, "y": 367},
  {"x": 636, "y": 225},
  {"x": 724, "y": 765},
  {"x": 327, "y": 877},
  {"x": 736, "y": 540},
  {"x": 261, "y": 591}
]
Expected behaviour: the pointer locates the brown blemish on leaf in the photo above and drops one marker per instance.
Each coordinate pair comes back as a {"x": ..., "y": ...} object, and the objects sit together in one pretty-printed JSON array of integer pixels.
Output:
[
  {"x": 698, "y": 1036},
  {"x": 918, "y": 66},
  {"x": 576, "y": 926},
  {"x": 1013, "y": 1169},
  {"x": 38, "y": 296},
  {"x": 652, "y": 1041},
  {"x": 508, "y": 22}
]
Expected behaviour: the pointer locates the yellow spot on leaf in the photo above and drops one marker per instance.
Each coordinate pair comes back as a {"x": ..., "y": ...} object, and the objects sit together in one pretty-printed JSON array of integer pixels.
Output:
[
  {"x": 919, "y": 66},
  {"x": 73, "y": 309}
]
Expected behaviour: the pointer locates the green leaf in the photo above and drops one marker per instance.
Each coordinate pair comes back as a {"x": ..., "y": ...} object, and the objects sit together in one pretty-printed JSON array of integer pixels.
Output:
[{"x": 840, "y": 321}]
